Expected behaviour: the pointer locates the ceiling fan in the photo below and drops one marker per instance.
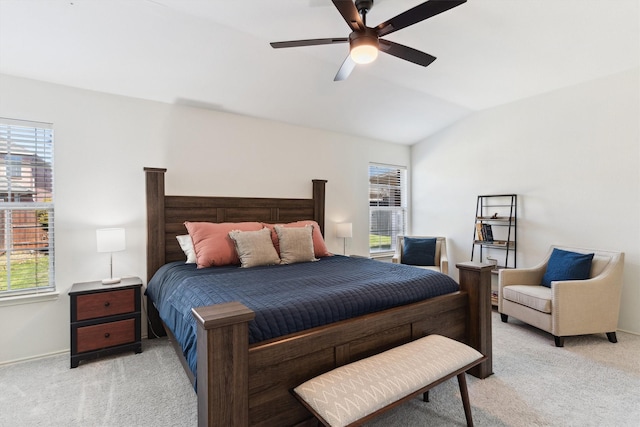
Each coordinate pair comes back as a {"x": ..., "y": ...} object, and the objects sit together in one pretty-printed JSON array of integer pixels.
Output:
[{"x": 365, "y": 42}]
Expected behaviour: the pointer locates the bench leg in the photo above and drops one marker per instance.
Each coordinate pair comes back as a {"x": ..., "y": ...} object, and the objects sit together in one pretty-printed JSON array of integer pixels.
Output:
[{"x": 462, "y": 381}]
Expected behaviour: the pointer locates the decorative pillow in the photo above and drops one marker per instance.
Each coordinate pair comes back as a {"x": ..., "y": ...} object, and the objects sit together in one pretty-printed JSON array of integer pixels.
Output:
[
  {"x": 212, "y": 243},
  {"x": 186, "y": 244},
  {"x": 255, "y": 247},
  {"x": 565, "y": 265},
  {"x": 296, "y": 244},
  {"x": 419, "y": 251},
  {"x": 319, "y": 247}
]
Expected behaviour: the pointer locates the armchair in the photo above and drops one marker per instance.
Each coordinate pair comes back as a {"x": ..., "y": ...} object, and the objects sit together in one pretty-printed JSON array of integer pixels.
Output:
[
  {"x": 440, "y": 260},
  {"x": 566, "y": 308}
]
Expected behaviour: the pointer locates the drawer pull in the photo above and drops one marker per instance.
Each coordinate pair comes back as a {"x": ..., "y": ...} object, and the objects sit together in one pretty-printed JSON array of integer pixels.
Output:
[
  {"x": 107, "y": 334},
  {"x": 107, "y": 304}
]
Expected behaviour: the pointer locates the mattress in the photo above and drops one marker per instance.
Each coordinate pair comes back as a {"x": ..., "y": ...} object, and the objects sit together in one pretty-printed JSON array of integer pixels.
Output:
[{"x": 289, "y": 298}]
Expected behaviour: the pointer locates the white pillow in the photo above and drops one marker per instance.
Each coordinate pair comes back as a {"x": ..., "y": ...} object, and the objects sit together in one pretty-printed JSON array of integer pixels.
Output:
[
  {"x": 296, "y": 244},
  {"x": 186, "y": 244},
  {"x": 254, "y": 247}
]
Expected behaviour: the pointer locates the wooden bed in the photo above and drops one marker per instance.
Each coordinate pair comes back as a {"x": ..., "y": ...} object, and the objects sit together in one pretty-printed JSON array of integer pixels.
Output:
[{"x": 240, "y": 384}]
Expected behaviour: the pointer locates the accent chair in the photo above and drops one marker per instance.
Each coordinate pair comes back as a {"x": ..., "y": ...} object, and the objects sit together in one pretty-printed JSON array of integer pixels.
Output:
[
  {"x": 440, "y": 261},
  {"x": 565, "y": 307}
]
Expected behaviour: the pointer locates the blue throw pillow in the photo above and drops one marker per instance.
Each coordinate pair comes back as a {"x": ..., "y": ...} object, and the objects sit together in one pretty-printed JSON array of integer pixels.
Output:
[
  {"x": 565, "y": 265},
  {"x": 419, "y": 251}
]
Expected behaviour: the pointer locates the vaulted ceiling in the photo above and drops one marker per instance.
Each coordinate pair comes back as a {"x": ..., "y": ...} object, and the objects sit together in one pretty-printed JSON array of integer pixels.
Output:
[{"x": 215, "y": 54}]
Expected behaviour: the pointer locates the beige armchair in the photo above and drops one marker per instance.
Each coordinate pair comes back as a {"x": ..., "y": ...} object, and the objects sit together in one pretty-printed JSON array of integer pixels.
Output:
[
  {"x": 441, "y": 261},
  {"x": 572, "y": 307}
]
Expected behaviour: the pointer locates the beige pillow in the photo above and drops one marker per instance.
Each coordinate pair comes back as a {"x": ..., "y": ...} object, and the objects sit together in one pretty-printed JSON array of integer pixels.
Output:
[
  {"x": 296, "y": 244},
  {"x": 254, "y": 247}
]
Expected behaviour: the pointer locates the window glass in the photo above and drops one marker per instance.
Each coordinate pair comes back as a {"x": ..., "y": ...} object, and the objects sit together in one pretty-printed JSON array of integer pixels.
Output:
[
  {"x": 387, "y": 206},
  {"x": 26, "y": 207}
]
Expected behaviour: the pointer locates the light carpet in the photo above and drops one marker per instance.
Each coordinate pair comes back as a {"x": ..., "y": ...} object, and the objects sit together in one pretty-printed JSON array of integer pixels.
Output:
[{"x": 589, "y": 382}]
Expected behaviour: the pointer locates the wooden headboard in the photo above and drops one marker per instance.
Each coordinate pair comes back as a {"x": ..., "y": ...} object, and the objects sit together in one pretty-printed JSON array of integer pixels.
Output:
[{"x": 166, "y": 214}]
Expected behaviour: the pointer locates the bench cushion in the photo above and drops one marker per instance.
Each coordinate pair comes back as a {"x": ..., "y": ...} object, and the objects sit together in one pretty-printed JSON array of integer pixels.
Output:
[{"x": 351, "y": 392}]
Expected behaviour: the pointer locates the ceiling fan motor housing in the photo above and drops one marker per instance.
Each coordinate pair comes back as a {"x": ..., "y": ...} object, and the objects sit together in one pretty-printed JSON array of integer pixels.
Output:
[{"x": 368, "y": 36}]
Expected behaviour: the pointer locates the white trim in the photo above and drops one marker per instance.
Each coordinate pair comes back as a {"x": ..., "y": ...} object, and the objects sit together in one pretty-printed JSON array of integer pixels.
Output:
[
  {"x": 29, "y": 298},
  {"x": 40, "y": 356}
]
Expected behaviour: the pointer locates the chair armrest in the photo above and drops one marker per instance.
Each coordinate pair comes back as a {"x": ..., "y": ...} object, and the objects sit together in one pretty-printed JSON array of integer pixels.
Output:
[
  {"x": 521, "y": 276},
  {"x": 592, "y": 304},
  {"x": 444, "y": 259},
  {"x": 395, "y": 259}
]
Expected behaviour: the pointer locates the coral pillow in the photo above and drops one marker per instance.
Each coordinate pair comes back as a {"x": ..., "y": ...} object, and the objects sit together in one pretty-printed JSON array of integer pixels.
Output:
[
  {"x": 212, "y": 243},
  {"x": 319, "y": 247}
]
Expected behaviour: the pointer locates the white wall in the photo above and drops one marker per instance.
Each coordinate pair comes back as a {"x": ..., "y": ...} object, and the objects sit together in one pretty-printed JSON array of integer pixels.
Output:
[
  {"x": 102, "y": 143},
  {"x": 573, "y": 158}
]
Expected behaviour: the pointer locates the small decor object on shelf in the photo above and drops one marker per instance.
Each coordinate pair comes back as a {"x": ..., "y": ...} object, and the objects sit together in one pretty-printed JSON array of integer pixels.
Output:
[{"x": 110, "y": 240}]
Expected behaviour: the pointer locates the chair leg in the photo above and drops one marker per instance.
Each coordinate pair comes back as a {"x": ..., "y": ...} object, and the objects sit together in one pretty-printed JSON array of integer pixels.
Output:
[
  {"x": 504, "y": 317},
  {"x": 425, "y": 396},
  {"x": 462, "y": 381},
  {"x": 559, "y": 341},
  {"x": 612, "y": 337}
]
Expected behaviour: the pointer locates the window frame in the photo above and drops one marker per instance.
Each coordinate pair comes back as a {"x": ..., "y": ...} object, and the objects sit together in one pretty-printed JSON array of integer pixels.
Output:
[
  {"x": 398, "y": 213},
  {"x": 27, "y": 208}
]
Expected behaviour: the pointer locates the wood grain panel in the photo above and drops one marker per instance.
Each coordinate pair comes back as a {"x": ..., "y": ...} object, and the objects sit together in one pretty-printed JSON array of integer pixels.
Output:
[
  {"x": 104, "y": 304},
  {"x": 106, "y": 335}
]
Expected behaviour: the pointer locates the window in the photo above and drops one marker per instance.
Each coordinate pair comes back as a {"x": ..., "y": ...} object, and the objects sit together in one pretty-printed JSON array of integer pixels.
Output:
[
  {"x": 387, "y": 207},
  {"x": 26, "y": 207}
]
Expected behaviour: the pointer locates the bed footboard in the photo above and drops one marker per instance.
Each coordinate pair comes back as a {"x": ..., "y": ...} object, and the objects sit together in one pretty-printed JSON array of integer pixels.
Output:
[{"x": 242, "y": 385}]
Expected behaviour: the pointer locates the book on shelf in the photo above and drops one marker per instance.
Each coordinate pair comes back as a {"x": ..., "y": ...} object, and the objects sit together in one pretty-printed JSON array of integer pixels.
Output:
[
  {"x": 480, "y": 237},
  {"x": 487, "y": 232}
]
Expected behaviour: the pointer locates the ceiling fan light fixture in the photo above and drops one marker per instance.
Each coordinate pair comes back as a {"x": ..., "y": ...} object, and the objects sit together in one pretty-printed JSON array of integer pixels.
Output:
[
  {"x": 364, "y": 54},
  {"x": 364, "y": 46}
]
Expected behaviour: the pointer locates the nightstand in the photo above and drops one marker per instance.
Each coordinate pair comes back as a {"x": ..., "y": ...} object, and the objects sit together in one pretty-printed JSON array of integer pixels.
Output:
[{"x": 105, "y": 319}]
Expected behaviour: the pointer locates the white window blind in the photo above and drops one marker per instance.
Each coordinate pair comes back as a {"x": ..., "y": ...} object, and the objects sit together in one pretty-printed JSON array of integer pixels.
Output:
[
  {"x": 26, "y": 207},
  {"x": 387, "y": 206}
]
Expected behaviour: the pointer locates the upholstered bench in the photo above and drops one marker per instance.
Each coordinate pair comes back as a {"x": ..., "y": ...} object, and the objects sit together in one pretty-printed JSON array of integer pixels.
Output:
[{"x": 354, "y": 393}]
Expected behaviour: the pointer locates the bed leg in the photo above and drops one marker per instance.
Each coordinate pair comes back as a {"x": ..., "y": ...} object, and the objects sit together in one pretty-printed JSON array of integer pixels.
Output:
[
  {"x": 475, "y": 279},
  {"x": 223, "y": 364}
]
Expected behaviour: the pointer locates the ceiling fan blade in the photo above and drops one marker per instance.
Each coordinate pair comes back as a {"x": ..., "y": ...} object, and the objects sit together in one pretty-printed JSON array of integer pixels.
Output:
[
  {"x": 407, "y": 53},
  {"x": 345, "y": 69},
  {"x": 310, "y": 42},
  {"x": 347, "y": 9},
  {"x": 419, "y": 13}
]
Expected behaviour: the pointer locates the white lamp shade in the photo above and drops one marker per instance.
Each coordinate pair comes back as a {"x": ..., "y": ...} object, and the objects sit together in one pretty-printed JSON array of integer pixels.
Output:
[
  {"x": 344, "y": 230},
  {"x": 110, "y": 239}
]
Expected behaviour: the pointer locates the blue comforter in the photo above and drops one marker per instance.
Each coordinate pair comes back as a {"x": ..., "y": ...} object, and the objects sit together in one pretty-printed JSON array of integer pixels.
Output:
[{"x": 289, "y": 298}]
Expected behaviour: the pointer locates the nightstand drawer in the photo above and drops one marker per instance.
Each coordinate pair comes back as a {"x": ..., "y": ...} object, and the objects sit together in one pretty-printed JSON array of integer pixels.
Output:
[
  {"x": 105, "y": 335},
  {"x": 104, "y": 304}
]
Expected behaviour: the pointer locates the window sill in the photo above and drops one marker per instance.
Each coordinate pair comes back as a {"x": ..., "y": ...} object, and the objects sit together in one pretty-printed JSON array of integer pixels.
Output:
[
  {"x": 29, "y": 298},
  {"x": 382, "y": 256}
]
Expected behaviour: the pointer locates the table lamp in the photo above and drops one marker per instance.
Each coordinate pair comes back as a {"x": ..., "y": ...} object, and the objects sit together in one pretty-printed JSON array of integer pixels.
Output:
[
  {"x": 344, "y": 230},
  {"x": 110, "y": 240}
]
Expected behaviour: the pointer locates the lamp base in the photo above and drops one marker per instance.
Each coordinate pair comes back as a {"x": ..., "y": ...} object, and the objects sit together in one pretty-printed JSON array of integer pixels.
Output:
[{"x": 111, "y": 281}]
